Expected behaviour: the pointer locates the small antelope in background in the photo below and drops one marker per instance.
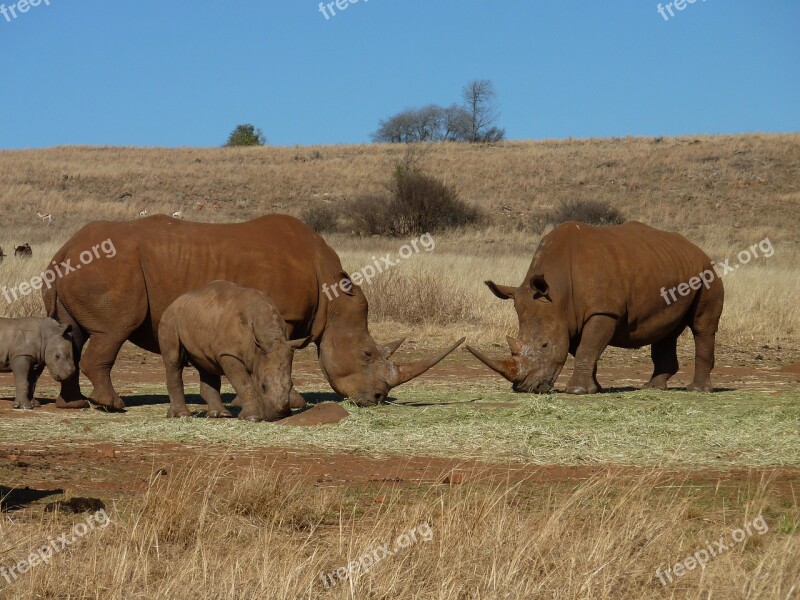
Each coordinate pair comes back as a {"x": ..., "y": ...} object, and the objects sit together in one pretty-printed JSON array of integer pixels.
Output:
[
  {"x": 177, "y": 215},
  {"x": 24, "y": 251},
  {"x": 48, "y": 217},
  {"x": 2, "y": 255},
  {"x": 142, "y": 213}
]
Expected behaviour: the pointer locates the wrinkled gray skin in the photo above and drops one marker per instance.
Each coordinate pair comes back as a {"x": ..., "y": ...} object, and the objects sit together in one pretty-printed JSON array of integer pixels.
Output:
[
  {"x": 29, "y": 344},
  {"x": 225, "y": 329}
]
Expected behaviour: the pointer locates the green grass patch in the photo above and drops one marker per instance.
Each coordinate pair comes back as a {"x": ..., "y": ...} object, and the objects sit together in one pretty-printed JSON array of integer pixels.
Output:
[{"x": 749, "y": 428}]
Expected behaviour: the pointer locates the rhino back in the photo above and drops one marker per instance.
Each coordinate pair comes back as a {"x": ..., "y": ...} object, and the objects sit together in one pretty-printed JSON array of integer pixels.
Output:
[
  {"x": 159, "y": 258},
  {"x": 618, "y": 270},
  {"x": 222, "y": 318}
]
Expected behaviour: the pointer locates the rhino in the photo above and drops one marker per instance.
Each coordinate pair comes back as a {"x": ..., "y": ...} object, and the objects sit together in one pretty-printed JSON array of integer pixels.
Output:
[
  {"x": 590, "y": 287},
  {"x": 225, "y": 329},
  {"x": 27, "y": 345},
  {"x": 158, "y": 259}
]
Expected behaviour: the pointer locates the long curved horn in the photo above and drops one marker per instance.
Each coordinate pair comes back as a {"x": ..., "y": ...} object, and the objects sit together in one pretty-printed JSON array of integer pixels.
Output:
[
  {"x": 404, "y": 373},
  {"x": 507, "y": 367}
]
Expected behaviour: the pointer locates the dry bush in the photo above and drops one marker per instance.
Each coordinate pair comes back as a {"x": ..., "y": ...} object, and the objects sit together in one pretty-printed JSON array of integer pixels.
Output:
[
  {"x": 322, "y": 219},
  {"x": 593, "y": 212},
  {"x": 417, "y": 204},
  {"x": 604, "y": 538}
]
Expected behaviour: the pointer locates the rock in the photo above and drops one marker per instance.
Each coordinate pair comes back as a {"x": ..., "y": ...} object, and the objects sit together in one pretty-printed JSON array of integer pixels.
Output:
[{"x": 326, "y": 413}]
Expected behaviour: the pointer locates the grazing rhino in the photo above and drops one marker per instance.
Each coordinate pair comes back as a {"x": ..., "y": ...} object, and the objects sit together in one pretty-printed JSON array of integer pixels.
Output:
[
  {"x": 225, "y": 329},
  {"x": 29, "y": 344},
  {"x": 590, "y": 287},
  {"x": 159, "y": 258}
]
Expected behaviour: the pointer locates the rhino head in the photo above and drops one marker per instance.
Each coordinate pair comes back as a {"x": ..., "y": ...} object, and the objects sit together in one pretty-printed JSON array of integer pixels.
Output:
[
  {"x": 272, "y": 374},
  {"x": 540, "y": 351},
  {"x": 58, "y": 352},
  {"x": 353, "y": 363}
]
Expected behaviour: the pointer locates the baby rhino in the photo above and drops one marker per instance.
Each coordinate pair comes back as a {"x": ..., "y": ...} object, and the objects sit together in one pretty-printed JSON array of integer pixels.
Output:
[
  {"x": 225, "y": 329},
  {"x": 29, "y": 344}
]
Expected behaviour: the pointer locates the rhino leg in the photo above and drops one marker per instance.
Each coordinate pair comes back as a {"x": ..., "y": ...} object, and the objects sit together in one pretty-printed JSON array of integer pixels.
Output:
[
  {"x": 22, "y": 367},
  {"x": 597, "y": 333},
  {"x": 174, "y": 365},
  {"x": 96, "y": 364},
  {"x": 242, "y": 382},
  {"x": 296, "y": 400},
  {"x": 665, "y": 362},
  {"x": 70, "y": 395},
  {"x": 177, "y": 396},
  {"x": 703, "y": 362},
  {"x": 210, "y": 385},
  {"x": 704, "y": 324},
  {"x": 36, "y": 372}
]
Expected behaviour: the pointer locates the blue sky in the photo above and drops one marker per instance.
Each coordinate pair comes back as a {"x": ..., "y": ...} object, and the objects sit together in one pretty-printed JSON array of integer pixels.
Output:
[{"x": 159, "y": 73}]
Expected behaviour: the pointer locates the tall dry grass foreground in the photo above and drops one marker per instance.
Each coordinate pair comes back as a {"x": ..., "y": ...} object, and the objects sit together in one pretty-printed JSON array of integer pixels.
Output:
[{"x": 211, "y": 535}]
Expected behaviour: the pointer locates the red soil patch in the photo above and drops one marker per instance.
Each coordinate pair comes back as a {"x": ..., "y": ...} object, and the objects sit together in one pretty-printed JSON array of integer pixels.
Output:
[{"x": 115, "y": 471}]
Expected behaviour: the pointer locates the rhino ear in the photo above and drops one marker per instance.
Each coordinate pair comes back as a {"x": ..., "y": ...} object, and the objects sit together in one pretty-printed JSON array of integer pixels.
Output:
[
  {"x": 343, "y": 284},
  {"x": 64, "y": 330},
  {"x": 540, "y": 288},
  {"x": 504, "y": 292}
]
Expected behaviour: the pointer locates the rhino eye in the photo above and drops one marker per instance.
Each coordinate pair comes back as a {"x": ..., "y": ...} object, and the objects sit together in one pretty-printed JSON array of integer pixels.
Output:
[
  {"x": 367, "y": 354},
  {"x": 545, "y": 344},
  {"x": 58, "y": 356}
]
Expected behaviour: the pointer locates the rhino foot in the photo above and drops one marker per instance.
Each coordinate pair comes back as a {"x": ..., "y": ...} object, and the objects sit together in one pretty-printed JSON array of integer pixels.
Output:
[
  {"x": 252, "y": 418},
  {"x": 23, "y": 406},
  {"x": 655, "y": 385},
  {"x": 219, "y": 414},
  {"x": 80, "y": 403},
  {"x": 174, "y": 414},
  {"x": 113, "y": 404},
  {"x": 700, "y": 387},
  {"x": 581, "y": 389}
]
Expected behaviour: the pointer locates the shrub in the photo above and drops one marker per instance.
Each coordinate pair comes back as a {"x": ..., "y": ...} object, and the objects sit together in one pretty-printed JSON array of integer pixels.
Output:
[
  {"x": 593, "y": 212},
  {"x": 417, "y": 203},
  {"x": 322, "y": 219},
  {"x": 246, "y": 135}
]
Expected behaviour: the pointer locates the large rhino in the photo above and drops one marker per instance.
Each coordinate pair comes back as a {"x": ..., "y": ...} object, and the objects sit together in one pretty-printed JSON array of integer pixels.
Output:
[
  {"x": 157, "y": 259},
  {"x": 590, "y": 287}
]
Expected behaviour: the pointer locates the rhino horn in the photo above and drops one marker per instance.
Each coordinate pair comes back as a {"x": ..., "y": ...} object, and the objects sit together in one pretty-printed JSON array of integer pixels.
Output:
[
  {"x": 404, "y": 373},
  {"x": 507, "y": 367},
  {"x": 392, "y": 347}
]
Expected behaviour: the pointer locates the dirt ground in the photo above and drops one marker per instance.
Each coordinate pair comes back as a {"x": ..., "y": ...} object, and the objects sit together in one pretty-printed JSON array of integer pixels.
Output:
[{"x": 33, "y": 475}]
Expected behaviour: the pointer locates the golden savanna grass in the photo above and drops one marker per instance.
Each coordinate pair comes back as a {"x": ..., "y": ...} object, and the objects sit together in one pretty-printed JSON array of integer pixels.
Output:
[
  {"x": 723, "y": 192},
  {"x": 227, "y": 531},
  {"x": 252, "y": 534}
]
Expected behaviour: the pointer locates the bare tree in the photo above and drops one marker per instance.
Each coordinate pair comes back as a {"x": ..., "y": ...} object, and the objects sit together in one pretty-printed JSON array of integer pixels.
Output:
[
  {"x": 480, "y": 103},
  {"x": 456, "y": 124},
  {"x": 474, "y": 121},
  {"x": 398, "y": 129}
]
